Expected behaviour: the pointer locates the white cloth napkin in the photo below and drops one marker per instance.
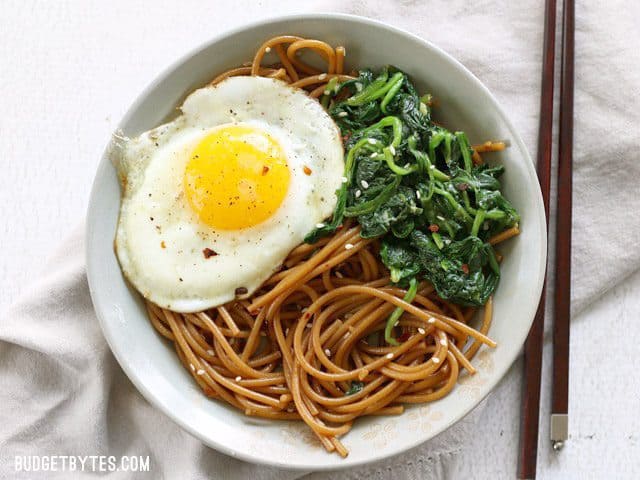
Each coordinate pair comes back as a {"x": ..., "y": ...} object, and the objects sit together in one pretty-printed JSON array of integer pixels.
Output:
[{"x": 62, "y": 392}]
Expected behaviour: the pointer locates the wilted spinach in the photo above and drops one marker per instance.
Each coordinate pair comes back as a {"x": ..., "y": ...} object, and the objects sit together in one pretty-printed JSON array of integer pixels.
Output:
[
  {"x": 354, "y": 388},
  {"x": 413, "y": 184}
]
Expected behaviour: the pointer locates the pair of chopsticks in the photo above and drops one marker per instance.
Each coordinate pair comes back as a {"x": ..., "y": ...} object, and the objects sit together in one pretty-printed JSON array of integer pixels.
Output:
[{"x": 533, "y": 346}]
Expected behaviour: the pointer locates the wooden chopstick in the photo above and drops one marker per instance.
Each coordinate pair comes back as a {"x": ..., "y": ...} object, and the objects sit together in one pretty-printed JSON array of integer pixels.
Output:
[
  {"x": 530, "y": 407},
  {"x": 562, "y": 307}
]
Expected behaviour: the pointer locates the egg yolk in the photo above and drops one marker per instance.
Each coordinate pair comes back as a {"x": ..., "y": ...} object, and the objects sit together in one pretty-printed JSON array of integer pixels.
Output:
[{"x": 236, "y": 178}]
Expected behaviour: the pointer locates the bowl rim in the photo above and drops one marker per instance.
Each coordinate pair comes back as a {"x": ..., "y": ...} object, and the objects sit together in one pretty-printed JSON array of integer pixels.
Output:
[{"x": 137, "y": 377}]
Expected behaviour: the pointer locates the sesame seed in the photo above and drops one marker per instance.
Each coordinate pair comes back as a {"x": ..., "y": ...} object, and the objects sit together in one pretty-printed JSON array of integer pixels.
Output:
[
  {"x": 200, "y": 372},
  {"x": 443, "y": 342},
  {"x": 407, "y": 165},
  {"x": 372, "y": 141},
  {"x": 322, "y": 76},
  {"x": 358, "y": 193},
  {"x": 364, "y": 184},
  {"x": 267, "y": 50},
  {"x": 193, "y": 369},
  {"x": 389, "y": 356},
  {"x": 340, "y": 275},
  {"x": 343, "y": 114},
  {"x": 319, "y": 225},
  {"x": 327, "y": 92},
  {"x": 327, "y": 352},
  {"x": 358, "y": 86},
  {"x": 345, "y": 179},
  {"x": 211, "y": 352},
  {"x": 348, "y": 246},
  {"x": 440, "y": 217},
  {"x": 431, "y": 320},
  {"x": 418, "y": 194},
  {"x": 238, "y": 378},
  {"x": 374, "y": 155},
  {"x": 435, "y": 359},
  {"x": 421, "y": 331},
  {"x": 485, "y": 226},
  {"x": 308, "y": 325},
  {"x": 392, "y": 149}
]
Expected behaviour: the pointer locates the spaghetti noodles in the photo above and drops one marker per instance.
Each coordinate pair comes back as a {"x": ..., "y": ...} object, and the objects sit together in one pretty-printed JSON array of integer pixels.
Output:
[{"x": 309, "y": 344}]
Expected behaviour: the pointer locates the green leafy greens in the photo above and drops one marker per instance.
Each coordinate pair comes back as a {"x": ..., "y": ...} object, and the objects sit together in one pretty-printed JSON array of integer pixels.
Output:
[
  {"x": 354, "y": 388},
  {"x": 413, "y": 183}
]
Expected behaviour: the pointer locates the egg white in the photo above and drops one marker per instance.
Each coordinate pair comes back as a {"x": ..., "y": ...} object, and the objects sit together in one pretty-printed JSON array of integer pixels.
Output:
[{"x": 160, "y": 240}]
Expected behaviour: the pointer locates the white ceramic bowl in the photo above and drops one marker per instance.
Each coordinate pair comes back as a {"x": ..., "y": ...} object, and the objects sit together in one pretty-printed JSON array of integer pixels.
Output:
[{"x": 151, "y": 363}]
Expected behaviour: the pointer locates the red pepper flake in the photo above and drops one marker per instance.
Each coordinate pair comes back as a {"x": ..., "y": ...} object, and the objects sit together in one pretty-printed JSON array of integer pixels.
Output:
[
  {"x": 265, "y": 169},
  {"x": 306, "y": 170},
  {"x": 344, "y": 94},
  {"x": 208, "y": 391},
  {"x": 465, "y": 268},
  {"x": 404, "y": 337},
  {"x": 434, "y": 228},
  {"x": 163, "y": 245},
  {"x": 346, "y": 137},
  {"x": 462, "y": 186},
  {"x": 208, "y": 253}
]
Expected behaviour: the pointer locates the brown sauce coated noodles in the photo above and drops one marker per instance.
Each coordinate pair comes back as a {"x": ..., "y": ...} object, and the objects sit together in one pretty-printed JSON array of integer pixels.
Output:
[{"x": 304, "y": 346}]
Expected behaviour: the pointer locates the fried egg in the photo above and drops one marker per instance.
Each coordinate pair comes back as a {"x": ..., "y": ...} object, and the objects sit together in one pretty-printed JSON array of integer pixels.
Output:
[{"x": 214, "y": 201}]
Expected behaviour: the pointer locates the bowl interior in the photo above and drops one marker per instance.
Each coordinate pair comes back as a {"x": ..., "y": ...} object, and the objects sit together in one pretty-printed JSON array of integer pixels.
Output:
[{"x": 151, "y": 362}]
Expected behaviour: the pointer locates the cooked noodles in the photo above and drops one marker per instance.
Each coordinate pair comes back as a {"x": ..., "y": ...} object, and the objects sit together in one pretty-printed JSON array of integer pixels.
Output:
[{"x": 309, "y": 345}]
